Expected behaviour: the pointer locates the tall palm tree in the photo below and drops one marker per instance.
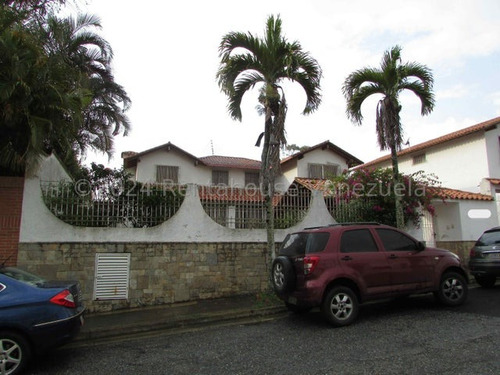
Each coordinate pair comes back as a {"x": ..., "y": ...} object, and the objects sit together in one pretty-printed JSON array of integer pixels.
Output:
[
  {"x": 74, "y": 41},
  {"x": 267, "y": 62},
  {"x": 58, "y": 92},
  {"x": 390, "y": 80}
]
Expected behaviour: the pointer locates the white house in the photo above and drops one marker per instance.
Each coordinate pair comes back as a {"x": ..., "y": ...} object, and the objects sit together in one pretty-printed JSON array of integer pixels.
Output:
[
  {"x": 172, "y": 164},
  {"x": 466, "y": 163},
  {"x": 461, "y": 159}
]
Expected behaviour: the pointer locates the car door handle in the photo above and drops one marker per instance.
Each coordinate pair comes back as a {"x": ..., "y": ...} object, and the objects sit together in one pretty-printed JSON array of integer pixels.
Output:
[
  {"x": 393, "y": 256},
  {"x": 347, "y": 257}
]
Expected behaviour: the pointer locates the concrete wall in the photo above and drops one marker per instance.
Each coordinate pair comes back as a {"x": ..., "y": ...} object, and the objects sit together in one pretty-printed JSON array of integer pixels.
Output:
[
  {"x": 188, "y": 257},
  {"x": 189, "y": 224},
  {"x": 458, "y": 220}
]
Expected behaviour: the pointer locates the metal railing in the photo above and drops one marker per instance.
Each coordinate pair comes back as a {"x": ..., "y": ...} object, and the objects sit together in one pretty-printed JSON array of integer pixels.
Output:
[
  {"x": 243, "y": 208},
  {"x": 135, "y": 207},
  {"x": 142, "y": 206}
]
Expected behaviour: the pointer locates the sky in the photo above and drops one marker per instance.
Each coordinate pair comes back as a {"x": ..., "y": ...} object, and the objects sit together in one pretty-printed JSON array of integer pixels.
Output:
[{"x": 166, "y": 57}]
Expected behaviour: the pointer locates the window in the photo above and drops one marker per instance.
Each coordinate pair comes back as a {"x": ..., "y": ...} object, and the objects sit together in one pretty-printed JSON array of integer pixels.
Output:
[
  {"x": 396, "y": 241},
  {"x": 220, "y": 177},
  {"x": 323, "y": 171},
  {"x": 357, "y": 241},
  {"x": 419, "y": 159},
  {"x": 252, "y": 178},
  {"x": 304, "y": 243},
  {"x": 167, "y": 173},
  {"x": 317, "y": 242}
]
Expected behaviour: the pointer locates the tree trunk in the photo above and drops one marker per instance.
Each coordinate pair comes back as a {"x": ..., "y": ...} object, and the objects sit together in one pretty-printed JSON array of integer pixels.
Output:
[
  {"x": 268, "y": 189},
  {"x": 397, "y": 188}
]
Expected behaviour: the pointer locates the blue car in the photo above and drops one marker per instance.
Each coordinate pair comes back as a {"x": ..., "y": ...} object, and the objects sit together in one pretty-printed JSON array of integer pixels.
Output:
[{"x": 35, "y": 316}]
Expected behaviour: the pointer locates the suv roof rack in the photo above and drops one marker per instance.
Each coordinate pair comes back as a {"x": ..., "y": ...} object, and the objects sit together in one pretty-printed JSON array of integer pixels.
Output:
[{"x": 343, "y": 224}]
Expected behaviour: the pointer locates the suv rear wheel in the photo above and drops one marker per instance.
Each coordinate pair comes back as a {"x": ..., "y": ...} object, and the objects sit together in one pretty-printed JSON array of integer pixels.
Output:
[
  {"x": 340, "y": 306},
  {"x": 452, "y": 289},
  {"x": 282, "y": 275}
]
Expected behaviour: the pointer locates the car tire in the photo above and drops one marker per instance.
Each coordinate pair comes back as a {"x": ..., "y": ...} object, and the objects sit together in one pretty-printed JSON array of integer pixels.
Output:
[
  {"x": 15, "y": 353},
  {"x": 453, "y": 289},
  {"x": 282, "y": 275},
  {"x": 486, "y": 281},
  {"x": 340, "y": 306}
]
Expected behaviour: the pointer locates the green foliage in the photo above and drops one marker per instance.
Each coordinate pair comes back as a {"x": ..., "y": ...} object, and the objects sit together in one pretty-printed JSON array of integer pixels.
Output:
[
  {"x": 370, "y": 194},
  {"x": 104, "y": 197},
  {"x": 57, "y": 91}
]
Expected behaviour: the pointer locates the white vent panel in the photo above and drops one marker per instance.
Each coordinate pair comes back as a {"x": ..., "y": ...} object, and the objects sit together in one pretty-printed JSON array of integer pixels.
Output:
[{"x": 112, "y": 272}]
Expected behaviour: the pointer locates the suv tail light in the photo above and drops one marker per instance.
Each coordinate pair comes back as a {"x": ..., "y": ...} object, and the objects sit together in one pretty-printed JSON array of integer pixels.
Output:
[
  {"x": 64, "y": 298},
  {"x": 310, "y": 264},
  {"x": 472, "y": 253}
]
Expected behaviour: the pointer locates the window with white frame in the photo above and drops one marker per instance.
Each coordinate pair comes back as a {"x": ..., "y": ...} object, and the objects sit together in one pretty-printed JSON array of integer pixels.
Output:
[
  {"x": 167, "y": 173},
  {"x": 323, "y": 171}
]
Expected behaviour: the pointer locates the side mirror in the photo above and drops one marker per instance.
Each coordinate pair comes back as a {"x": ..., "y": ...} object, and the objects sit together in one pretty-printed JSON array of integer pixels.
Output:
[{"x": 420, "y": 245}]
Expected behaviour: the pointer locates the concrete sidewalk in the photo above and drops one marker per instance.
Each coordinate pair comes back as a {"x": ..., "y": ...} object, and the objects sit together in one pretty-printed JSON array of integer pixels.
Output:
[{"x": 175, "y": 316}]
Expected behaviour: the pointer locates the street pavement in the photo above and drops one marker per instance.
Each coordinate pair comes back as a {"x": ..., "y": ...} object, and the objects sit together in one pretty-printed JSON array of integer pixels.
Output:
[{"x": 167, "y": 317}]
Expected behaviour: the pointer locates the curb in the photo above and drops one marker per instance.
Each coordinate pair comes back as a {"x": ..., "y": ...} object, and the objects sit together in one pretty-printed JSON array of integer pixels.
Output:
[{"x": 194, "y": 320}]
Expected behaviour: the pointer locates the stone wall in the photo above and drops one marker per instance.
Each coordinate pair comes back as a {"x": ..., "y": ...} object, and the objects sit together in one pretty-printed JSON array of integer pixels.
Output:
[{"x": 159, "y": 272}]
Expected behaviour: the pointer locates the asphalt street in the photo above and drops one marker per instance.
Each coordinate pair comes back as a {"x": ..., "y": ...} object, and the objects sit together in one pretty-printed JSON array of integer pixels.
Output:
[{"x": 412, "y": 336}]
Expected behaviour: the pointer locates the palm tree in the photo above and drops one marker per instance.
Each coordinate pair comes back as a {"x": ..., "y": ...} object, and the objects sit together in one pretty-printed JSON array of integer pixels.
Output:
[
  {"x": 390, "y": 80},
  {"x": 103, "y": 117},
  {"x": 267, "y": 62},
  {"x": 58, "y": 92}
]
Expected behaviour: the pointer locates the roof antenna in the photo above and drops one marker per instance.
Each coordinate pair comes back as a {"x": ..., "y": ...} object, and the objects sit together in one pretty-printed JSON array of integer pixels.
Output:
[{"x": 212, "y": 146}]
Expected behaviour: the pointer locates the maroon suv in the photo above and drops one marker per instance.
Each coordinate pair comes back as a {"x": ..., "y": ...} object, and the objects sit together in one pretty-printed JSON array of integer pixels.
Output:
[{"x": 340, "y": 266}]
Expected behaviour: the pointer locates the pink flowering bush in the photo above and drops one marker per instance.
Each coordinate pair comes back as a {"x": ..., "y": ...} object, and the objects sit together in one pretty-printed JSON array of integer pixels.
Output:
[{"x": 371, "y": 193}]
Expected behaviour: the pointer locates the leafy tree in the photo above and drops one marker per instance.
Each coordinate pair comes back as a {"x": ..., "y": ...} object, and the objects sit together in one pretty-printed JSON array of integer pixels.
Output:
[
  {"x": 57, "y": 91},
  {"x": 247, "y": 61},
  {"x": 390, "y": 80},
  {"x": 370, "y": 195}
]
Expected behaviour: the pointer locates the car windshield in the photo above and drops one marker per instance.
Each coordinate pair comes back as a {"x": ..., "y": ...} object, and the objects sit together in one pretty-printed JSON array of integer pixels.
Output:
[
  {"x": 20, "y": 275},
  {"x": 489, "y": 238}
]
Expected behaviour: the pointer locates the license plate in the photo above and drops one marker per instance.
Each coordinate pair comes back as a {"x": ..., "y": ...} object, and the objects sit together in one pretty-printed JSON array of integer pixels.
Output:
[{"x": 494, "y": 255}]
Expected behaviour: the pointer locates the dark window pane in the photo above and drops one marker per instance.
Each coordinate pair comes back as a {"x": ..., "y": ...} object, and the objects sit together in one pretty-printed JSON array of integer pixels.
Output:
[
  {"x": 357, "y": 241},
  {"x": 317, "y": 242},
  {"x": 396, "y": 241}
]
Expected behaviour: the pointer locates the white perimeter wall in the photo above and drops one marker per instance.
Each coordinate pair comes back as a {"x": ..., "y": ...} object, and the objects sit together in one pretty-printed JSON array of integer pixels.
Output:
[{"x": 189, "y": 224}]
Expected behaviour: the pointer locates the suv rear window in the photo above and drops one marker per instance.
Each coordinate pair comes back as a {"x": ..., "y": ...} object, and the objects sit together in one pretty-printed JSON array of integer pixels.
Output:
[
  {"x": 304, "y": 243},
  {"x": 489, "y": 238}
]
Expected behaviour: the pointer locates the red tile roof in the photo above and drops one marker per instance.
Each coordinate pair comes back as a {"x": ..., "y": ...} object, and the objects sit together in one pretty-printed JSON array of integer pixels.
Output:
[
  {"x": 494, "y": 181},
  {"x": 481, "y": 127},
  {"x": 446, "y": 193},
  {"x": 230, "y": 162},
  {"x": 314, "y": 184},
  {"x": 440, "y": 192}
]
